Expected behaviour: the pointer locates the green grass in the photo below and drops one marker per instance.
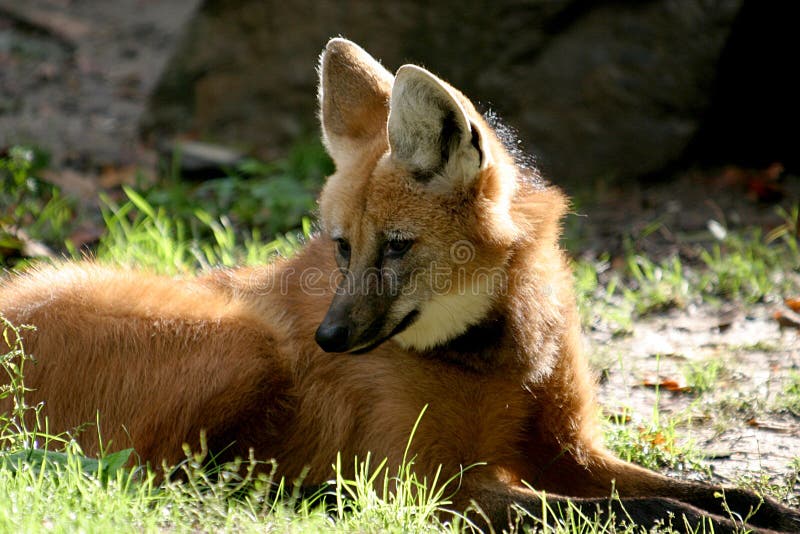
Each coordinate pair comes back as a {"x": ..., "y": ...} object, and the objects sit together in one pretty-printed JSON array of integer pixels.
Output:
[
  {"x": 744, "y": 267},
  {"x": 272, "y": 197},
  {"x": 655, "y": 442},
  {"x": 140, "y": 234},
  {"x": 30, "y": 208},
  {"x": 747, "y": 267},
  {"x": 703, "y": 376},
  {"x": 247, "y": 216},
  {"x": 599, "y": 302},
  {"x": 789, "y": 399},
  {"x": 655, "y": 286}
]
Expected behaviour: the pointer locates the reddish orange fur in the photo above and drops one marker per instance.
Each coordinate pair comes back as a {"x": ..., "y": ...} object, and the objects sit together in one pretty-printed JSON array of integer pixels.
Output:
[{"x": 232, "y": 352}]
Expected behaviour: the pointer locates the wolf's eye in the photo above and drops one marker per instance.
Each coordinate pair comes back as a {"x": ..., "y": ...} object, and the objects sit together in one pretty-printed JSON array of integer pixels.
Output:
[
  {"x": 397, "y": 247},
  {"x": 343, "y": 247}
]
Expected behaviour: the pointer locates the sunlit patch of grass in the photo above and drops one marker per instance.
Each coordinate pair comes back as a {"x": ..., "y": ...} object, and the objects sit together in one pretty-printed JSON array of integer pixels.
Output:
[
  {"x": 384, "y": 502},
  {"x": 703, "y": 376},
  {"x": 256, "y": 211},
  {"x": 599, "y": 306},
  {"x": 655, "y": 286},
  {"x": 140, "y": 234},
  {"x": 742, "y": 266},
  {"x": 788, "y": 232},
  {"x": 653, "y": 443},
  {"x": 789, "y": 398},
  {"x": 30, "y": 208}
]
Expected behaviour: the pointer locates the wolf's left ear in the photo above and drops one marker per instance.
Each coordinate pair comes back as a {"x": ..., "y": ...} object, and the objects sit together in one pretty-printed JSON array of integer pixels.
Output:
[
  {"x": 429, "y": 130},
  {"x": 353, "y": 98}
]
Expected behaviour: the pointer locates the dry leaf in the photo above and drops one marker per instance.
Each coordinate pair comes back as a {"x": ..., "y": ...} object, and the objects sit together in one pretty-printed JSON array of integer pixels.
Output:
[
  {"x": 657, "y": 438},
  {"x": 787, "y": 318},
  {"x": 619, "y": 417},
  {"x": 114, "y": 176},
  {"x": 773, "y": 426},
  {"x": 670, "y": 384},
  {"x": 761, "y": 185},
  {"x": 793, "y": 304}
]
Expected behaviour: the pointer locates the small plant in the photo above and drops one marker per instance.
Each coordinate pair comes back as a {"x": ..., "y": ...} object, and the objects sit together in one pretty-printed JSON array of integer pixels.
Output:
[
  {"x": 739, "y": 268},
  {"x": 399, "y": 503},
  {"x": 653, "y": 444},
  {"x": 30, "y": 209},
  {"x": 788, "y": 232},
  {"x": 749, "y": 266},
  {"x": 656, "y": 286},
  {"x": 703, "y": 376},
  {"x": 789, "y": 399},
  {"x": 14, "y": 425},
  {"x": 598, "y": 305},
  {"x": 268, "y": 197}
]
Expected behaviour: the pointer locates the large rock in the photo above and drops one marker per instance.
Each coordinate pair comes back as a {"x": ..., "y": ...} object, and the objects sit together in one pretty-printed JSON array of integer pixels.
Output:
[{"x": 596, "y": 89}]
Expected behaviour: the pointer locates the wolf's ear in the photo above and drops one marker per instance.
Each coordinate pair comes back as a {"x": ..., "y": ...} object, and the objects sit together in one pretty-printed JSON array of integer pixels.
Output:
[
  {"x": 354, "y": 94},
  {"x": 429, "y": 130}
]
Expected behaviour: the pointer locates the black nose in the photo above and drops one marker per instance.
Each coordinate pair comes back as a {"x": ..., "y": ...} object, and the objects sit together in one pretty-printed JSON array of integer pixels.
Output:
[{"x": 333, "y": 337}]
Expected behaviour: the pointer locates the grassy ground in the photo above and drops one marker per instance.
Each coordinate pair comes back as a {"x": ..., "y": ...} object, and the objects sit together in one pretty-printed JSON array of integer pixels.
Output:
[{"x": 686, "y": 349}]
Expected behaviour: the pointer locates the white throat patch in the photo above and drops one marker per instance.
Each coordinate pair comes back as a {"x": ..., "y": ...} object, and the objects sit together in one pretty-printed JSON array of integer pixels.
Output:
[{"x": 445, "y": 317}]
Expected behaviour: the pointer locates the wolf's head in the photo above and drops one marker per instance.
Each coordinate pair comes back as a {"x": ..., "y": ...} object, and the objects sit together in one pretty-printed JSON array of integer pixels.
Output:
[{"x": 420, "y": 213}]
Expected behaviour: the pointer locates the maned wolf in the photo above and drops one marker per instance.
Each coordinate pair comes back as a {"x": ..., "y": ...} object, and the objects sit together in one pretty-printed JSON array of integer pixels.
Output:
[{"x": 439, "y": 266}]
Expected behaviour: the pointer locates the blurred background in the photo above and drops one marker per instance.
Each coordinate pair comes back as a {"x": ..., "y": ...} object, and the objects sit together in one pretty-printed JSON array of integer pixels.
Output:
[{"x": 657, "y": 109}]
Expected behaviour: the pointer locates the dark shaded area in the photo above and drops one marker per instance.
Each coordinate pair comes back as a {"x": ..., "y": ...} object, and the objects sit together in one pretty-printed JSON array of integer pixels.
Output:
[
  {"x": 613, "y": 100},
  {"x": 607, "y": 90},
  {"x": 753, "y": 117}
]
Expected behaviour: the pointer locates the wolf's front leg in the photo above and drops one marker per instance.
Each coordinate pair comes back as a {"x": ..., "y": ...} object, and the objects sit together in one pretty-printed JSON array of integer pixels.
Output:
[
  {"x": 633, "y": 481},
  {"x": 497, "y": 506},
  {"x": 758, "y": 511}
]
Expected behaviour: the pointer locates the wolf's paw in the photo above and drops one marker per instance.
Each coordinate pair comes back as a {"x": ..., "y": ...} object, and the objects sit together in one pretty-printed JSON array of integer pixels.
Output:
[{"x": 768, "y": 513}]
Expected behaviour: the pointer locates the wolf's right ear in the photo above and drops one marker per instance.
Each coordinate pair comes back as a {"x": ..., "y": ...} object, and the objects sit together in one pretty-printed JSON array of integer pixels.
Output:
[
  {"x": 354, "y": 92},
  {"x": 430, "y": 131}
]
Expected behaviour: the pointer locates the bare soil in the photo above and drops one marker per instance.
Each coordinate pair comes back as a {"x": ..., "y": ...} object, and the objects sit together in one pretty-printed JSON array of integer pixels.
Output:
[
  {"x": 75, "y": 75},
  {"x": 740, "y": 423}
]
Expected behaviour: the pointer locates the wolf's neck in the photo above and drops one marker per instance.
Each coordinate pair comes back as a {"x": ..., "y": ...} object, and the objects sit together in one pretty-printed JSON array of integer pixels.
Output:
[
  {"x": 523, "y": 327},
  {"x": 538, "y": 306},
  {"x": 446, "y": 317}
]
